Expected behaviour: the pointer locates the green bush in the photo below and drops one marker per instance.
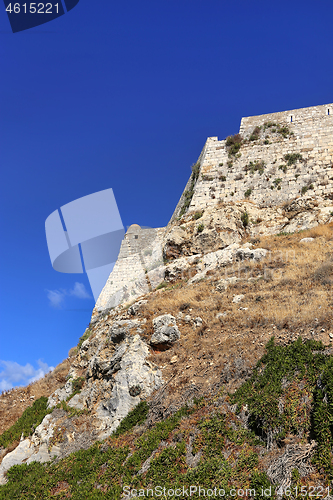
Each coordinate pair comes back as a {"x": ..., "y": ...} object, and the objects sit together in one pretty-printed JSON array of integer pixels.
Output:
[
  {"x": 188, "y": 194},
  {"x": 289, "y": 373},
  {"x": 245, "y": 219},
  {"x": 84, "y": 337},
  {"x": 197, "y": 215},
  {"x": 233, "y": 143},
  {"x": 200, "y": 228},
  {"x": 27, "y": 423},
  {"x": 164, "y": 284},
  {"x": 135, "y": 417},
  {"x": 292, "y": 158},
  {"x": 248, "y": 193},
  {"x": 256, "y": 166},
  {"x": 255, "y": 134},
  {"x": 77, "y": 384}
]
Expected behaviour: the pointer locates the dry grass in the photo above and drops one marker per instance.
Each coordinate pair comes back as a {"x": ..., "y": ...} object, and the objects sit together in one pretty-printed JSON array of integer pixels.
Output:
[
  {"x": 15, "y": 401},
  {"x": 293, "y": 297}
]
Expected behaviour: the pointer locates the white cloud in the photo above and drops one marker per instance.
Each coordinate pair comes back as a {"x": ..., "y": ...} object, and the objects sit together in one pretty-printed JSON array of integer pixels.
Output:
[
  {"x": 57, "y": 297},
  {"x": 15, "y": 374},
  {"x": 80, "y": 291}
]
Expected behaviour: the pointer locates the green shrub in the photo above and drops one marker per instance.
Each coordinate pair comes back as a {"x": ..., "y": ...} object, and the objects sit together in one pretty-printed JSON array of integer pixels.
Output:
[
  {"x": 270, "y": 124},
  {"x": 162, "y": 285},
  {"x": 245, "y": 219},
  {"x": 230, "y": 163},
  {"x": 188, "y": 194},
  {"x": 197, "y": 215},
  {"x": 27, "y": 423},
  {"x": 248, "y": 193},
  {"x": 256, "y": 166},
  {"x": 77, "y": 384},
  {"x": 289, "y": 374},
  {"x": 84, "y": 337},
  {"x": 284, "y": 131},
  {"x": 255, "y": 134},
  {"x": 292, "y": 158},
  {"x": 200, "y": 228},
  {"x": 304, "y": 189},
  {"x": 222, "y": 178},
  {"x": 277, "y": 181},
  {"x": 135, "y": 417},
  {"x": 233, "y": 143},
  {"x": 283, "y": 168}
]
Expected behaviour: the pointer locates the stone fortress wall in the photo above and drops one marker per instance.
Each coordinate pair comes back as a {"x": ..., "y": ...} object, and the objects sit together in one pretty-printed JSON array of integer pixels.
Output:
[
  {"x": 138, "y": 269},
  {"x": 225, "y": 177}
]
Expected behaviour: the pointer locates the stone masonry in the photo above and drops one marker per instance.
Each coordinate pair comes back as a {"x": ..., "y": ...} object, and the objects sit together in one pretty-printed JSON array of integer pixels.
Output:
[
  {"x": 138, "y": 269},
  {"x": 227, "y": 178}
]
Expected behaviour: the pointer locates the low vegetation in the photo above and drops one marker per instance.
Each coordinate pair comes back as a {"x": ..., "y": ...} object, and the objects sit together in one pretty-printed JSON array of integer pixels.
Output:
[
  {"x": 256, "y": 166},
  {"x": 188, "y": 194},
  {"x": 283, "y": 398},
  {"x": 233, "y": 144},
  {"x": 27, "y": 423},
  {"x": 292, "y": 158},
  {"x": 286, "y": 399}
]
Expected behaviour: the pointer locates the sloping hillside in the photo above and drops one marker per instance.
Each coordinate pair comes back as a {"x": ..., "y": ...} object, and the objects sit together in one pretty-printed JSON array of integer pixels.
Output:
[{"x": 211, "y": 400}]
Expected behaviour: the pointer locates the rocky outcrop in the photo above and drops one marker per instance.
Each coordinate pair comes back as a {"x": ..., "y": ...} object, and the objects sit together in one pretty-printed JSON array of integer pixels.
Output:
[
  {"x": 115, "y": 375},
  {"x": 165, "y": 331}
]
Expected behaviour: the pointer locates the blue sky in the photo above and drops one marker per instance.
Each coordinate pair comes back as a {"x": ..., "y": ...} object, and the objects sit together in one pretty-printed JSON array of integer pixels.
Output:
[{"x": 123, "y": 95}]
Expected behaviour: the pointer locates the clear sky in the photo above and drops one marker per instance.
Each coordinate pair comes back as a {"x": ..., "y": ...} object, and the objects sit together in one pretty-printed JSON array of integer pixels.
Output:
[{"x": 123, "y": 95}]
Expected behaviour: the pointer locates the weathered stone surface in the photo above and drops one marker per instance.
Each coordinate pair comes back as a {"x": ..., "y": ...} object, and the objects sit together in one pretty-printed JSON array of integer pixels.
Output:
[
  {"x": 179, "y": 268},
  {"x": 221, "y": 258},
  {"x": 135, "y": 308},
  {"x": 223, "y": 283},
  {"x": 165, "y": 330},
  {"x": 21, "y": 453},
  {"x": 238, "y": 298},
  {"x": 134, "y": 371},
  {"x": 60, "y": 394},
  {"x": 306, "y": 240}
]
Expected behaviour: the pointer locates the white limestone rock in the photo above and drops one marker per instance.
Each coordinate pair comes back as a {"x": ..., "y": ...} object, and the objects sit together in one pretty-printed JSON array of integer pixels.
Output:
[
  {"x": 165, "y": 330},
  {"x": 21, "y": 453},
  {"x": 306, "y": 240},
  {"x": 238, "y": 298}
]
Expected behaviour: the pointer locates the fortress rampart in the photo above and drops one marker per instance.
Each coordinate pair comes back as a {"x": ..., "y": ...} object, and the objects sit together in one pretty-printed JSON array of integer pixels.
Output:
[{"x": 282, "y": 156}]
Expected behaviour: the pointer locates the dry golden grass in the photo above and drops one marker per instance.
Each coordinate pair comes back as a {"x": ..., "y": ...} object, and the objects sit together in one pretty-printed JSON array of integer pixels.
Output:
[
  {"x": 292, "y": 297},
  {"x": 15, "y": 401}
]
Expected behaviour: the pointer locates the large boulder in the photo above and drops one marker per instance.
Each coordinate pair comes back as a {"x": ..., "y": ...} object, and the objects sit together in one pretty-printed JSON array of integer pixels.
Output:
[{"x": 165, "y": 331}]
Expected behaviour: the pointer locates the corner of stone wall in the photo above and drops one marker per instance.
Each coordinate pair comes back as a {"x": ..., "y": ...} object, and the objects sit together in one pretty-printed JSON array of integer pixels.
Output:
[{"x": 188, "y": 184}]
